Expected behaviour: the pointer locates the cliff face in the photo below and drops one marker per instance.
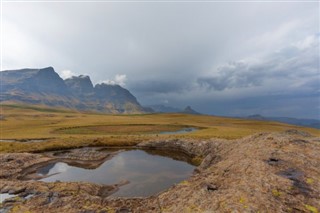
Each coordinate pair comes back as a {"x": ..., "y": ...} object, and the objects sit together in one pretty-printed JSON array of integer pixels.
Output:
[
  {"x": 45, "y": 86},
  {"x": 34, "y": 81},
  {"x": 80, "y": 86},
  {"x": 117, "y": 98}
]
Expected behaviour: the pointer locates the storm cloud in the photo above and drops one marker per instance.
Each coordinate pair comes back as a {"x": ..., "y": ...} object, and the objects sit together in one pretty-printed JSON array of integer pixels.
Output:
[
  {"x": 231, "y": 58},
  {"x": 295, "y": 65}
]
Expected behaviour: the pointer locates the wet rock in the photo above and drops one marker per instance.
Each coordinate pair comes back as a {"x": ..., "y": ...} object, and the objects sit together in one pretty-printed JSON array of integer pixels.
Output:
[
  {"x": 209, "y": 160},
  {"x": 61, "y": 153},
  {"x": 89, "y": 211},
  {"x": 298, "y": 132},
  {"x": 8, "y": 159},
  {"x": 9, "y": 200},
  {"x": 212, "y": 187},
  {"x": 123, "y": 210},
  {"x": 82, "y": 154},
  {"x": 24, "y": 194},
  {"x": 105, "y": 191},
  {"x": 51, "y": 197},
  {"x": 12, "y": 168},
  {"x": 11, "y": 191},
  {"x": 291, "y": 173},
  {"x": 4, "y": 190},
  {"x": 18, "y": 191},
  {"x": 297, "y": 177},
  {"x": 299, "y": 141},
  {"x": 274, "y": 161},
  {"x": 5, "y": 209}
]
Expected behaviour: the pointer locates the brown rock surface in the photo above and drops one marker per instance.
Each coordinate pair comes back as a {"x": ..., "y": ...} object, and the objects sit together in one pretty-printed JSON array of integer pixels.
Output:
[{"x": 269, "y": 172}]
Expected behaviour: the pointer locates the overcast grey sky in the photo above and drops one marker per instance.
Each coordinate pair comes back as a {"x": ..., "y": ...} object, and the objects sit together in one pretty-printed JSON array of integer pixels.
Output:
[{"x": 223, "y": 58}]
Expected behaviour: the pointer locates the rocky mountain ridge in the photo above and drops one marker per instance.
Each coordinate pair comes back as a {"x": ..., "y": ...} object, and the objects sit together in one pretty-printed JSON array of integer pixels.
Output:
[{"x": 45, "y": 86}]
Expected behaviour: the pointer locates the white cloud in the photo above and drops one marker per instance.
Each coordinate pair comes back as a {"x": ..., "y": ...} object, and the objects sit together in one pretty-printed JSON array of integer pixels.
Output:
[
  {"x": 119, "y": 79},
  {"x": 59, "y": 168},
  {"x": 66, "y": 74},
  {"x": 272, "y": 52},
  {"x": 306, "y": 43}
]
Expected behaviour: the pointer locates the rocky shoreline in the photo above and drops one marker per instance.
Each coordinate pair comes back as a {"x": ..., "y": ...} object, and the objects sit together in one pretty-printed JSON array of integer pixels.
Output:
[{"x": 266, "y": 172}]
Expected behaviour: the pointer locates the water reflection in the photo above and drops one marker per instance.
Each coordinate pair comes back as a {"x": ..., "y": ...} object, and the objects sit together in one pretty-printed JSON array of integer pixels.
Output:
[
  {"x": 4, "y": 196},
  {"x": 147, "y": 173},
  {"x": 181, "y": 131}
]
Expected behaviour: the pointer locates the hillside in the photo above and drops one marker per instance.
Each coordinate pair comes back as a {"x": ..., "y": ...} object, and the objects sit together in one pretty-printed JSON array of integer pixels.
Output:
[{"x": 46, "y": 87}]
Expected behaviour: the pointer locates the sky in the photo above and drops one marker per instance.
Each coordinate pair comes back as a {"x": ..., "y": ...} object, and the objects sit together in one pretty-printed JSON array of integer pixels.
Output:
[{"x": 232, "y": 58}]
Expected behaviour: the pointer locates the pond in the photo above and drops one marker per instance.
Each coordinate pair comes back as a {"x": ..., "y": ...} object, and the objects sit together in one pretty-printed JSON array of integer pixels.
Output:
[
  {"x": 4, "y": 196},
  {"x": 180, "y": 131},
  {"x": 145, "y": 172}
]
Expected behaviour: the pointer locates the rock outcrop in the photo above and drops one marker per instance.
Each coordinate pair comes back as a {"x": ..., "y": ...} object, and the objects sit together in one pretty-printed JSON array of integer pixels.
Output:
[{"x": 265, "y": 172}]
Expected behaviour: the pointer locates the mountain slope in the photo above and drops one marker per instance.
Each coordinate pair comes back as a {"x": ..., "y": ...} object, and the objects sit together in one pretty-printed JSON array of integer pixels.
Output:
[
  {"x": 189, "y": 110},
  {"x": 45, "y": 86}
]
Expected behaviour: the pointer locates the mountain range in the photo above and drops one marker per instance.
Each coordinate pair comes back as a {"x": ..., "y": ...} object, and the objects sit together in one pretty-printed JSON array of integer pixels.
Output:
[
  {"x": 46, "y": 87},
  {"x": 314, "y": 123},
  {"x": 159, "y": 108}
]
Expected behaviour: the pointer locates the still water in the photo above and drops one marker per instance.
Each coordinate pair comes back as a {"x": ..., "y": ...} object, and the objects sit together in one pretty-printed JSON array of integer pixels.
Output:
[
  {"x": 4, "y": 196},
  {"x": 181, "y": 131},
  {"x": 147, "y": 173}
]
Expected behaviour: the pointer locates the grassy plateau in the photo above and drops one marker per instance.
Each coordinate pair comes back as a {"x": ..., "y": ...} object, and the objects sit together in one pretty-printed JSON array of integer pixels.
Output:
[{"x": 68, "y": 129}]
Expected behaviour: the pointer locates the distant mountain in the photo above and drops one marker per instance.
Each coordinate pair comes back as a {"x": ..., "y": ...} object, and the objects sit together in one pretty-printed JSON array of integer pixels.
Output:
[
  {"x": 257, "y": 117},
  {"x": 168, "y": 109},
  {"x": 164, "y": 109},
  {"x": 189, "y": 110},
  {"x": 45, "y": 86},
  {"x": 314, "y": 123}
]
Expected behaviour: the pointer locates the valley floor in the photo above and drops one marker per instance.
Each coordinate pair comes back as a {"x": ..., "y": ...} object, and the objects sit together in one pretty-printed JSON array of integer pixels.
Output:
[{"x": 264, "y": 172}]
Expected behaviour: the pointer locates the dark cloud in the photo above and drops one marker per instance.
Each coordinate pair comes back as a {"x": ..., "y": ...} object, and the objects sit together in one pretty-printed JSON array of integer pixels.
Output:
[
  {"x": 291, "y": 65},
  {"x": 214, "y": 56},
  {"x": 162, "y": 87},
  {"x": 233, "y": 75}
]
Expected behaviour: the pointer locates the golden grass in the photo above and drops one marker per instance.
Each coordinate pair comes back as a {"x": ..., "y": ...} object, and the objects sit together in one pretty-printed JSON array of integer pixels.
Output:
[
  {"x": 121, "y": 129},
  {"x": 74, "y": 129}
]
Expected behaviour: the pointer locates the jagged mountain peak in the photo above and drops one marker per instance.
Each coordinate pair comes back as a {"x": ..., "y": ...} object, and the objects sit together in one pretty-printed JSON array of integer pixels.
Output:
[
  {"x": 80, "y": 85},
  {"x": 79, "y": 77},
  {"x": 189, "y": 110},
  {"x": 45, "y": 86},
  {"x": 113, "y": 91}
]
